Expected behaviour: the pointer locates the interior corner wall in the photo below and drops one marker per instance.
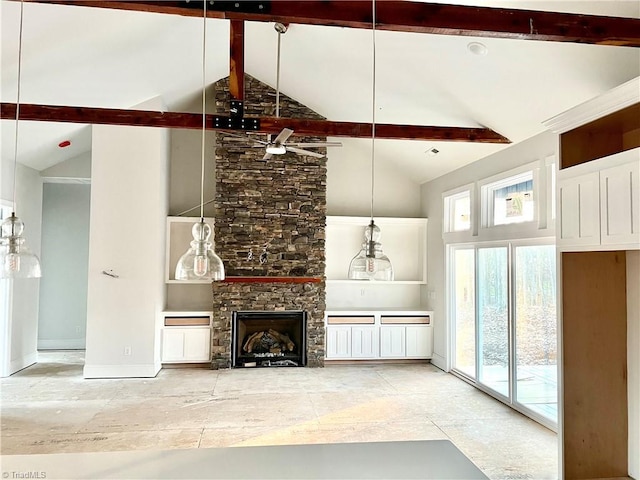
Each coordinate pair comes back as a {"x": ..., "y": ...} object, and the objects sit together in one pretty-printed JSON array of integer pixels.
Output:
[
  {"x": 127, "y": 239},
  {"x": 633, "y": 360},
  {"x": 65, "y": 256},
  {"x": 533, "y": 149},
  {"x": 75, "y": 167},
  {"x": 349, "y": 184},
  {"x": 25, "y": 292}
]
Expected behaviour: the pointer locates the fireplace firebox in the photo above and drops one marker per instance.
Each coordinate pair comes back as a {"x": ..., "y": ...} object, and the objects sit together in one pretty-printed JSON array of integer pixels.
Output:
[{"x": 269, "y": 339}]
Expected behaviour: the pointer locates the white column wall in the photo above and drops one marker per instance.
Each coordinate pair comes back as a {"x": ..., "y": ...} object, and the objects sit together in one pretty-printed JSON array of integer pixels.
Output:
[
  {"x": 22, "y": 329},
  {"x": 128, "y": 214}
]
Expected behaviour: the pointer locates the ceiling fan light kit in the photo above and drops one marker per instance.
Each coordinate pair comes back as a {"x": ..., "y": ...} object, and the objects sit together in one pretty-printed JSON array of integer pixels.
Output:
[
  {"x": 279, "y": 145},
  {"x": 16, "y": 259},
  {"x": 370, "y": 263},
  {"x": 200, "y": 261}
]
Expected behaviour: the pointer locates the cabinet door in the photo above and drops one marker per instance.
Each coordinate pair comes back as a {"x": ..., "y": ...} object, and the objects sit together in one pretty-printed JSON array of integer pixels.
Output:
[
  {"x": 186, "y": 344},
  {"x": 364, "y": 342},
  {"x": 619, "y": 195},
  {"x": 419, "y": 341},
  {"x": 579, "y": 200},
  {"x": 172, "y": 344},
  {"x": 338, "y": 341},
  {"x": 392, "y": 341},
  {"x": 197, "y": 343}
]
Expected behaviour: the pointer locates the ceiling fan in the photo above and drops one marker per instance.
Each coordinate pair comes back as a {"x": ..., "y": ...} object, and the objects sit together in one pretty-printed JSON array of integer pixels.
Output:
[{"x": 279, "y": 145}]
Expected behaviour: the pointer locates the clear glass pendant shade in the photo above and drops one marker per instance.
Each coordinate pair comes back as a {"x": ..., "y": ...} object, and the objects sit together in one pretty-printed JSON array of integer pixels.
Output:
[
  {"x": 200, "y": 262},
  {"x": 371, "y": 263},
  {"x": 16, "y": 259}
]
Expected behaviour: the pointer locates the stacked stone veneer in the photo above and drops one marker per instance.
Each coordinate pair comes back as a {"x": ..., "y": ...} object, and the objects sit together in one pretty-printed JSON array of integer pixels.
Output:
[{"x": 270, "y": 221}]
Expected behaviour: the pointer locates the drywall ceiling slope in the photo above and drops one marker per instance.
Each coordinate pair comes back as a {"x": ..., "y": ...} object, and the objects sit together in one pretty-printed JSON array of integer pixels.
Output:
[{"x": 110, "y": 58}]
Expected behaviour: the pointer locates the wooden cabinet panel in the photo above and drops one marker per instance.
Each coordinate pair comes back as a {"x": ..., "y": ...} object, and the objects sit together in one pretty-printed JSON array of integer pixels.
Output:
[
  {"x": 392, "y": 341},
  {"x": 579, "y": 210},
  {"x": 338, "y": 341},
  {"x": 619, "y": 195},
  {"x": 364, "y": 342},
  {"x": 183, "y": 345},
  {"x": 419, "y": 341}
]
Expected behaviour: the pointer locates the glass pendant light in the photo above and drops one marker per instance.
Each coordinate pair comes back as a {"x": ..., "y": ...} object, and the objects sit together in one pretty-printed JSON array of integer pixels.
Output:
[
  {"x": 200, "y": 262},
  {"x": 15, "y": 258},
  {"x": 370, "y": 263}
]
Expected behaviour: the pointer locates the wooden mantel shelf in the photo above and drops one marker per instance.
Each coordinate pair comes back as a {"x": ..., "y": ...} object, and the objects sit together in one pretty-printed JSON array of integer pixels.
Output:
[{"x": 266, "y": 279}]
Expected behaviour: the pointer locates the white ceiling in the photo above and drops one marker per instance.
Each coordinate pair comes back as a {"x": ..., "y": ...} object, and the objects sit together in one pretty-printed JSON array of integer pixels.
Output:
[{"x": 109, "y": 58}]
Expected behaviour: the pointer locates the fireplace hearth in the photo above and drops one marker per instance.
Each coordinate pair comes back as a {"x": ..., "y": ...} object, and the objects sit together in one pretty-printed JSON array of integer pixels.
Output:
[{"x": 268, "y": 339}]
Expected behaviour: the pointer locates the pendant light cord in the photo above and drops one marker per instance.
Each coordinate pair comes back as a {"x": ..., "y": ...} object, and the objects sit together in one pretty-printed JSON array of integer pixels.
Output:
[
  {"x": 204, "y": 106},
  {"x": 278, "y": 78},
  {"x": 15, "y": 151},
  {"x": 373, "y": 103}
]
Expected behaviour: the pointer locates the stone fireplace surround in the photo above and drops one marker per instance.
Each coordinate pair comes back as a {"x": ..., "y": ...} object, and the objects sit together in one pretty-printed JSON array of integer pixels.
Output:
[{"x": 270, "y": 223}]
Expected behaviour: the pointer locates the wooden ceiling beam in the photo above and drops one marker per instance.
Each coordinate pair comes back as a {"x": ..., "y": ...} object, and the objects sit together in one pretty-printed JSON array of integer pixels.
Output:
[
  {"x": 406, "y": 16},
  {"x": 236, "y": 68},
  {"x": 273, "y": 125}
]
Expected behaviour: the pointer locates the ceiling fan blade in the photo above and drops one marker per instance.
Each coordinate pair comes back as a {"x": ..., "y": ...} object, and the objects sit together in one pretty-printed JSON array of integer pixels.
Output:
[
  {"x": 267, "y": 156},
  {"x": 304, "y": 152},
  {"x": 282, "y": 136},
  {"x": 315, "y": 144}
]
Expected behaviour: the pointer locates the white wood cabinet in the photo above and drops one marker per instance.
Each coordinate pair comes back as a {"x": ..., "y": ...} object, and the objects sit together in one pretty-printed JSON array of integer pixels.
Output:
[
  {"x": 364, "y": 342},
  {"x": 619, "y": 204},
  {"x": 599, "y": 204},
  {"x": 580, "y": 210},
  {"x": 338, "y": 341},
  {"x": 419, "y": 341},
  {"x": 382, "y": 334},
  {"x": 186, "y": 337},
  {"x": 392, "y": 341}
]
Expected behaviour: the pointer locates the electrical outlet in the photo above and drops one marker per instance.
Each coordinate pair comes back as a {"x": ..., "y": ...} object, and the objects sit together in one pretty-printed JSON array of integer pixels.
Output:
[
  {"x": 78, "y": 329},
  {"x": 126, "y": 351},
  {"x": 362, "y": 292}
]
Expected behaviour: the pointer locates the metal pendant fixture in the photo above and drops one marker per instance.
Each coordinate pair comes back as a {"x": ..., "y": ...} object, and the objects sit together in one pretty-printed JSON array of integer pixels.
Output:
[
  {"x": 200, "y": 261},
  {"x": 371, "y": 263},
  {"x": 16, "y": 259}
]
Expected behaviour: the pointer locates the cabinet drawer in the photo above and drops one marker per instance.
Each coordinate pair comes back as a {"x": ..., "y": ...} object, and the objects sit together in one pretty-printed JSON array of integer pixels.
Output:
[
  {"x": 185, "y": 321},
  {"x": 348, "y": 319},
  {"x": 395, "y": 319}
]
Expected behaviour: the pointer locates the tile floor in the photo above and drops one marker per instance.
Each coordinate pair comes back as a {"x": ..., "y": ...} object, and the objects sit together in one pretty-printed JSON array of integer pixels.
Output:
[{"x": 50, "y": 408}]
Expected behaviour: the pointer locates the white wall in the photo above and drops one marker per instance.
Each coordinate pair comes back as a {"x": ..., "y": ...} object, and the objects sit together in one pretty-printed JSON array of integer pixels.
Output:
[
  {"x": 349, "y": 184},
  {"x": 534, "y": 149},
  {"x": 73, "y": 168},
  {"x": 633, "y": 361},
  {"x": 22, "y": 329},
  {"x": 127, "y": 237},
  {"x": 65, "y": 259}
]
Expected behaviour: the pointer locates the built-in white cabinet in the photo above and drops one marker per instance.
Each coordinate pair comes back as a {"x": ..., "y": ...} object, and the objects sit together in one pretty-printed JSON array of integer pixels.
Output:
[
  {"x": 599, "y": 204},
  {"x": 370, "y": 335},
  {"x": 186, "y": 337},
  {"x": 620, "y": 203}
]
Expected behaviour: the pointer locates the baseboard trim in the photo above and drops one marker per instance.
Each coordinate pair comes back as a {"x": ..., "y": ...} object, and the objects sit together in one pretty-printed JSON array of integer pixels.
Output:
[
  {"x": 121, "y": 371},
  {"x": 22, "y": 362},
  {"x": 439, "y": 361},
  {"x": 64, "y": 344}
]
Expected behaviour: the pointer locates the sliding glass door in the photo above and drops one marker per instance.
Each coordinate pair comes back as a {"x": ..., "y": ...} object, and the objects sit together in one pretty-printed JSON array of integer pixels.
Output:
[
  {"x": 536, "y": 329},
  {"x": 493, "y": 319},
  {"x": 503, "y": 299}
]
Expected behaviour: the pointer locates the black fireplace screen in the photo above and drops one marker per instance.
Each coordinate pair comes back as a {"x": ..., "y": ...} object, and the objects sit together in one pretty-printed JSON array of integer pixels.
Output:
[{"x": 269, "y": 339}]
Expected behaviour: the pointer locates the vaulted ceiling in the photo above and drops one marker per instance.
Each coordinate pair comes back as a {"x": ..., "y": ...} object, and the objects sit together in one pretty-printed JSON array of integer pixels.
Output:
[{"x": 112, "y": 58}]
